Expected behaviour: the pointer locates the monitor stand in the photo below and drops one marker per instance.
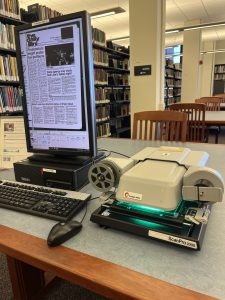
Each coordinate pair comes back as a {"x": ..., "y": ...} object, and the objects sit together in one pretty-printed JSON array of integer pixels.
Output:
[{"x": 60, "y": 159}]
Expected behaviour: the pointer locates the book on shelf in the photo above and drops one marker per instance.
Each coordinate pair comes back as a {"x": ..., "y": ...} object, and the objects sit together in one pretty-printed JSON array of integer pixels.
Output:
[
  {"x": 117, "y": 47},
  {"x": 98, "y": 37},
  {"x": 219, "y": 76},
  {"x": 100, "y": 57},
  {"x": 103, "y": 129},
  {"x": 7, "y": 38},
  {"x": 100, "y": 76},
  {"x": 10, "y": 99},
  {"x": 102, "y": 112},
  {"x": 119, "y": 63},
  {"x": 10, "y": 8},
  {"x": 42, "y": 12},
  {"x": 101, "y": 95},
  {"x": 118, "y": 95},
  {"x": 120, "y": 110},
  {"x": 178, "y": 66},
  {"x": 8, "y": 68},
  {"x": 119, "y": 79},
  {"x": 219, "y": 69}
]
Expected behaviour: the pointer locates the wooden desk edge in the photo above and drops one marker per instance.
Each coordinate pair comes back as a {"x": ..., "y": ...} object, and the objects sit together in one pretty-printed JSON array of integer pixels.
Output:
[
  {"x": 215, "y": 122},
  {"x": 100, "y": 276}
]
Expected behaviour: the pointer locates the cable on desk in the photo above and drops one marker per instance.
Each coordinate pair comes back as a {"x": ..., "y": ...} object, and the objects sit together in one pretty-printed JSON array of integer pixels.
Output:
[
  {"x": 114, "y": 152},
  {"x": 85, "y": 212}
]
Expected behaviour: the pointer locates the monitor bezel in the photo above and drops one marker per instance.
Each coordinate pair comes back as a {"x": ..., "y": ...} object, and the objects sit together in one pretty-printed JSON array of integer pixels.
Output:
[{"x": 88, "y": 77}]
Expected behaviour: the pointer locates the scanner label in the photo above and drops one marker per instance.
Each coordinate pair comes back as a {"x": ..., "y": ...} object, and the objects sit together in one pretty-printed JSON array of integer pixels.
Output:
[
  {"x": 132, "y": 196},
  {"x": 49, "y": 170},
  {"x": 172, "y": 239}
]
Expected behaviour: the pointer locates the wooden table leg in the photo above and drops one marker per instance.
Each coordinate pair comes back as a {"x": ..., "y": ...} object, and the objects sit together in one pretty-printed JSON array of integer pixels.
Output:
[{"x": 27, "y": 281}]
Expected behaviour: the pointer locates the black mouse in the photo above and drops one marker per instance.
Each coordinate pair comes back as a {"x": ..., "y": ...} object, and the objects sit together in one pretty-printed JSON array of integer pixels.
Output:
[{"x": 61, "y": 232}]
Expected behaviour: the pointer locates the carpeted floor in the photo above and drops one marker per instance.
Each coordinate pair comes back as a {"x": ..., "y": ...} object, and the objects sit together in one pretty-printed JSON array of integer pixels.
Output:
[
  {"x": 59, "y": 290},
  {"x": 5, "y": 285},
  {"x": 64, "y": 290}
]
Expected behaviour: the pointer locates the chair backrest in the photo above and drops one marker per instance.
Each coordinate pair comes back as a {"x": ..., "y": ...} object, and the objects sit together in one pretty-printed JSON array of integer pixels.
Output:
[
  {"x": 212, "y": 103},
  {"x": 196, "y": 120},
  {"x": 222, "y": 96},
  {"x": 160, "y": 125}
]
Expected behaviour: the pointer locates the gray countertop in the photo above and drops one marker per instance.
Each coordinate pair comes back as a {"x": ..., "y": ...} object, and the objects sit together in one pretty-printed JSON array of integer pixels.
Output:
[{"x": 202, "y": 271}]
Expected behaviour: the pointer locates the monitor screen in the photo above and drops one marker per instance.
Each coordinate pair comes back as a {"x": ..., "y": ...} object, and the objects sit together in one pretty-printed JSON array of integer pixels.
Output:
[{"x": 56, "y": 71}]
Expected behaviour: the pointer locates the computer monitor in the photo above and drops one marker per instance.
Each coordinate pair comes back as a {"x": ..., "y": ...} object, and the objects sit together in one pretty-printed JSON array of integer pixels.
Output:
[{"x": 55, "y": 67}]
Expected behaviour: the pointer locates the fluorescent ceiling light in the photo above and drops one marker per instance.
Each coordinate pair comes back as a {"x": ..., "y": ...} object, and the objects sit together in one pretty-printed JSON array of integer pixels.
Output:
[
  {"x": 194, "y": 27},
  {"x": 103, "y": 15},
  {"x": 120, "y": 38},
  {"x": 171, "y": 31},
  {"x": 213, "y": 51},
  {"x": 107, "y": 12},
  {"x": 204, "y": 26}
]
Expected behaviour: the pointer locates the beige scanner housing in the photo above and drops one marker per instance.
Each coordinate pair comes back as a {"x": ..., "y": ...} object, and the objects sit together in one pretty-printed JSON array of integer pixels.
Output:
[
  {"x": 152, "y": 183},
  {"x": 157, "y": 179}
]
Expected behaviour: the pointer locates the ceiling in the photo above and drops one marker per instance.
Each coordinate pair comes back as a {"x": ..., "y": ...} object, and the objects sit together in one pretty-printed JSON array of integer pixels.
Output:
[{"x": 177, "y": 13}]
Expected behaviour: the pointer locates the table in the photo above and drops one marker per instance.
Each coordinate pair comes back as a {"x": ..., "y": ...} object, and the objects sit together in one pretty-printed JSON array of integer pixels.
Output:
[
  {"x": 222, "y": 106},
  {"x": 113, "y": 263},
  {"x": 215, "y": 118}
]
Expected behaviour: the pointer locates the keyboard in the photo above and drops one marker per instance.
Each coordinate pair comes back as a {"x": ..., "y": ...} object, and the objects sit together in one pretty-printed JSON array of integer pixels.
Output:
[{"x": 50, "y": 203}]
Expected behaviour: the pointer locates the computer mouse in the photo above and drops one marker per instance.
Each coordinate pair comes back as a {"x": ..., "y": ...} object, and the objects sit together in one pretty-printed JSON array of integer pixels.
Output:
[{"x": 61, "y": 232}]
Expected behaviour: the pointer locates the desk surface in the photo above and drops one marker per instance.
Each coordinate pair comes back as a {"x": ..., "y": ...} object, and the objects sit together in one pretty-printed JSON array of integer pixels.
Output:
[
  {"x": 202, "y": 271},
  {"x": 215, "y": 117}
]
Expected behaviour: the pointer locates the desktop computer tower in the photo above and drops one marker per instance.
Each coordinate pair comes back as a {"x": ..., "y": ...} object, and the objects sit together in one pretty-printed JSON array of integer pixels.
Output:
[{"x": 56, "y": 175}]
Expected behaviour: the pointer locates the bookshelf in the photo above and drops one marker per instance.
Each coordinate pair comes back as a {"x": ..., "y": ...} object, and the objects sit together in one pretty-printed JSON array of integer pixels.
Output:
[
  {"x": 10, "y": 93},
  {"x": 219, "y": 72},
  {"x": 112, "y": 89},
  {"x": 173, "y": 79},
  {"x": 219, "y": 79},
  {"x": 12, "y": 133}
]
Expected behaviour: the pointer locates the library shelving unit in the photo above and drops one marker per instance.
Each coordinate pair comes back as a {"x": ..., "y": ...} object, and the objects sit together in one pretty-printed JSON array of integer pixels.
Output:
[
  {"x": 219, "y": 79},
  {"x": 12, "y": 134},
  {"x": 10, "y": 96},
  {"x": 173, "y": 78},
  {"x": 112, "y": 90}
]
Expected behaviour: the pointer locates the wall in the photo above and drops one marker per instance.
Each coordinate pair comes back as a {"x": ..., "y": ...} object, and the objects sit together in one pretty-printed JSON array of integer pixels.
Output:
[{"x": 220, "y": 57}]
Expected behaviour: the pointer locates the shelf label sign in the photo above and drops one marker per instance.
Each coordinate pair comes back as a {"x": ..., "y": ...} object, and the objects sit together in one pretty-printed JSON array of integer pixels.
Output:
[{"x": 142, "y": 70}]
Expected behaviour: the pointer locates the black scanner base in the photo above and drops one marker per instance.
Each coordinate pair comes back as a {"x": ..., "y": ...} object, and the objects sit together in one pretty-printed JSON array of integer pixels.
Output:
[{"x": 171, "y": 230}]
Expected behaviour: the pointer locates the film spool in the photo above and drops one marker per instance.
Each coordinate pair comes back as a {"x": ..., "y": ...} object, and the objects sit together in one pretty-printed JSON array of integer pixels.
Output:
[{"x": 103, "y": 176}]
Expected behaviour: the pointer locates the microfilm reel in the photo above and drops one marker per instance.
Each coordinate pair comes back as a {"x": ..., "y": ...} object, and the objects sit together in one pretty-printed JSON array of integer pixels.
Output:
[{"x": 102, "y": 176}]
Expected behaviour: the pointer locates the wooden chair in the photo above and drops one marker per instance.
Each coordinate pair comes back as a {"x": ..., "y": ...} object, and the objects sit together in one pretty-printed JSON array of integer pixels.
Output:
[
  {"x": 195, "y": 120},
  {"x": 222, "y": 96},
  {"x": 212, "y": 103},
  {"x": 160, "y": 125}
]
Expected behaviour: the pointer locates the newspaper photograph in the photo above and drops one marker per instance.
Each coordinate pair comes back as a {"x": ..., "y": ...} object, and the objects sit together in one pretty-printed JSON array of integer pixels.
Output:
[{"x": 59, "y": 55}]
